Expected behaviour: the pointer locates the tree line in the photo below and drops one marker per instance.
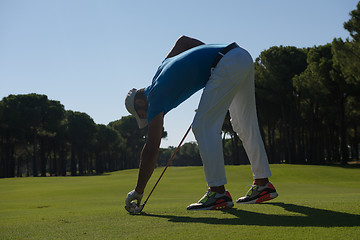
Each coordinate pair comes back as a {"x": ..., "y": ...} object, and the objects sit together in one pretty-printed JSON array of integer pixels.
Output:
[
  {"x": 39, "y": 137},
  {"x": 308, "y": 102}
]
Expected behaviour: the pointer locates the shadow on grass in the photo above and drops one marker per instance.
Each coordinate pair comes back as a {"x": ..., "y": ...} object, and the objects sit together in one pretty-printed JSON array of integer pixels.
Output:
[{"x": 312, "y": 217}]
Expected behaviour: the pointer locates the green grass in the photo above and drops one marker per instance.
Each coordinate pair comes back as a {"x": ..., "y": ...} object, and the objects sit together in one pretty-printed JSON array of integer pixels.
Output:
[{"x": 315, "y": 202}]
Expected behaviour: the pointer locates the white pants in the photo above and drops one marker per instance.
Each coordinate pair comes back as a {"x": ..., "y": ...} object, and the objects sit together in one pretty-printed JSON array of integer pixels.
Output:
[{"x": 230, "y": 87}]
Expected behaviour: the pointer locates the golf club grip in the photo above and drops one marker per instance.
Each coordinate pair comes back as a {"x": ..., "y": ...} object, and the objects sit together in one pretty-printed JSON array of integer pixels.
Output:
[{"x": 167, "y": 165}]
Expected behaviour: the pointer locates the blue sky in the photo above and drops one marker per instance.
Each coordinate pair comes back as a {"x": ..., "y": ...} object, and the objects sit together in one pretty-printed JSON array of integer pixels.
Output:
[{"x": 87, "y": 54}]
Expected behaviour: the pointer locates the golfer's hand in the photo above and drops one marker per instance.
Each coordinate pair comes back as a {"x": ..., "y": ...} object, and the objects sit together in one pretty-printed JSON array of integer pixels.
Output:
[{"x": 131, "y": 196}]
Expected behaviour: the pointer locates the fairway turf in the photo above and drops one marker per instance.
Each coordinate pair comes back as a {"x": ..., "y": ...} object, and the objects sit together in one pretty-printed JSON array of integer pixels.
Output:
[{"x": 315, "y": 202}]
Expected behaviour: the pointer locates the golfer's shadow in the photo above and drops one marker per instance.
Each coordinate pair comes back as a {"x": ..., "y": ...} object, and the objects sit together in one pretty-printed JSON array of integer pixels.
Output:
[{"x": 310, "y": 217}]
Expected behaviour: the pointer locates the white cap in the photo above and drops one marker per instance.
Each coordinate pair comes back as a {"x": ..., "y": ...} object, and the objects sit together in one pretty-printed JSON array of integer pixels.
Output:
[{"x": 129, "y": 104}]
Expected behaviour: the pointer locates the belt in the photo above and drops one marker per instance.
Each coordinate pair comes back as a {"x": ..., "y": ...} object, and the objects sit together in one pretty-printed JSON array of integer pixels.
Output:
[{"x": 223, "y": 52}]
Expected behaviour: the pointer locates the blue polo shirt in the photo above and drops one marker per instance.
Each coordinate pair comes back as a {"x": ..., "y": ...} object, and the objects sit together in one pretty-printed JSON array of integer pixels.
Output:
[{"x": 179, "y": 77}]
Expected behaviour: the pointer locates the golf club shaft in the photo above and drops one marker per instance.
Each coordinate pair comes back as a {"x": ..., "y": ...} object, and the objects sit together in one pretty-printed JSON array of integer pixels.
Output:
[{"x": 167, "y": 165}]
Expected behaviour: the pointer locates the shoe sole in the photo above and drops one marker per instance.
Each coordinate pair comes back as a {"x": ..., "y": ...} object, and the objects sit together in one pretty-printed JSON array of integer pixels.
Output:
[
  {"x": 221, "y": 206},
  {"x": 266, "y": 197}
]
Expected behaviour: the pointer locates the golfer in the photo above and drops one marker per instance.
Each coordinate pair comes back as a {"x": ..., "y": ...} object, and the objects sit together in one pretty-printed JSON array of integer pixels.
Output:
[{"x": 226, "y": 73}]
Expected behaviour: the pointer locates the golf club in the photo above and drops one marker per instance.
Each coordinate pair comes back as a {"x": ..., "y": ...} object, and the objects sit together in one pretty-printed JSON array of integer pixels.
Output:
[{"x": 141, "y": 207}]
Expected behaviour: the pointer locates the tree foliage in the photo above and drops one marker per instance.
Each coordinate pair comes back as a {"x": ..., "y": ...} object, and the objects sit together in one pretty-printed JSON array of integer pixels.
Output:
[
  {"x": 39, "y": 138},
  {"x": 308, "y": 100}
]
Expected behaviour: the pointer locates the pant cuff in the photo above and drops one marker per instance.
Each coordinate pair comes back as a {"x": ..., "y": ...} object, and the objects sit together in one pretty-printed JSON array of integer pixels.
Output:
[{"x": 216, "y": 183}]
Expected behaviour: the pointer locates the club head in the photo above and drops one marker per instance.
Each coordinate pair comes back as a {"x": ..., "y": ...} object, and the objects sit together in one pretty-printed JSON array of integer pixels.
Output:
[{"x": 135, "y": 210}]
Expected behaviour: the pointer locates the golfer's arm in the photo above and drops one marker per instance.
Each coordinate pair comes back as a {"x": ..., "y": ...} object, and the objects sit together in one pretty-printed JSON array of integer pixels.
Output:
[
  {"x": 182, "y": 44},
  {"x": 150, "y": 152}
]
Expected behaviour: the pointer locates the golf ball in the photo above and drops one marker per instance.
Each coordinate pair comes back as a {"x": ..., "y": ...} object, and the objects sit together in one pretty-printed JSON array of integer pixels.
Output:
[
  {"x": 133, "y": 208},
  {"x": 133, "y": 205}
]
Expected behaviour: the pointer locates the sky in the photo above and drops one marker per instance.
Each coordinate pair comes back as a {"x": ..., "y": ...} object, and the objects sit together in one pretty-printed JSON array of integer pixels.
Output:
[{"x": 88, "y": 54}]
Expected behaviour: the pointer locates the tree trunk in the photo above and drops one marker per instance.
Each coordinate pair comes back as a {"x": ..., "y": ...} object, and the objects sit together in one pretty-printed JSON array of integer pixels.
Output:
[
  {"x": 62, "y": 160},
  {"x": 11, "y": 164},
  {"x": 269, "y": 145},
  {"x": 99, "y": 167},
  {"x": 55, "y": 169},
  {"x": 236, "y": 160},
  {"x": 356, "y": 144},
  {"x": 335, "y": 145},
  {"x": 18, "y": 167},
  {"x": 34, "y": 165},
  {"x": 42, "y": 158},
  {"x": 81, "y": 161},
  {"x": 342, "y": 130},
  {"x": 2, "y": 161},
  {"x": 73, "y": 161},
  {"x": 286, "y": 136}
]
